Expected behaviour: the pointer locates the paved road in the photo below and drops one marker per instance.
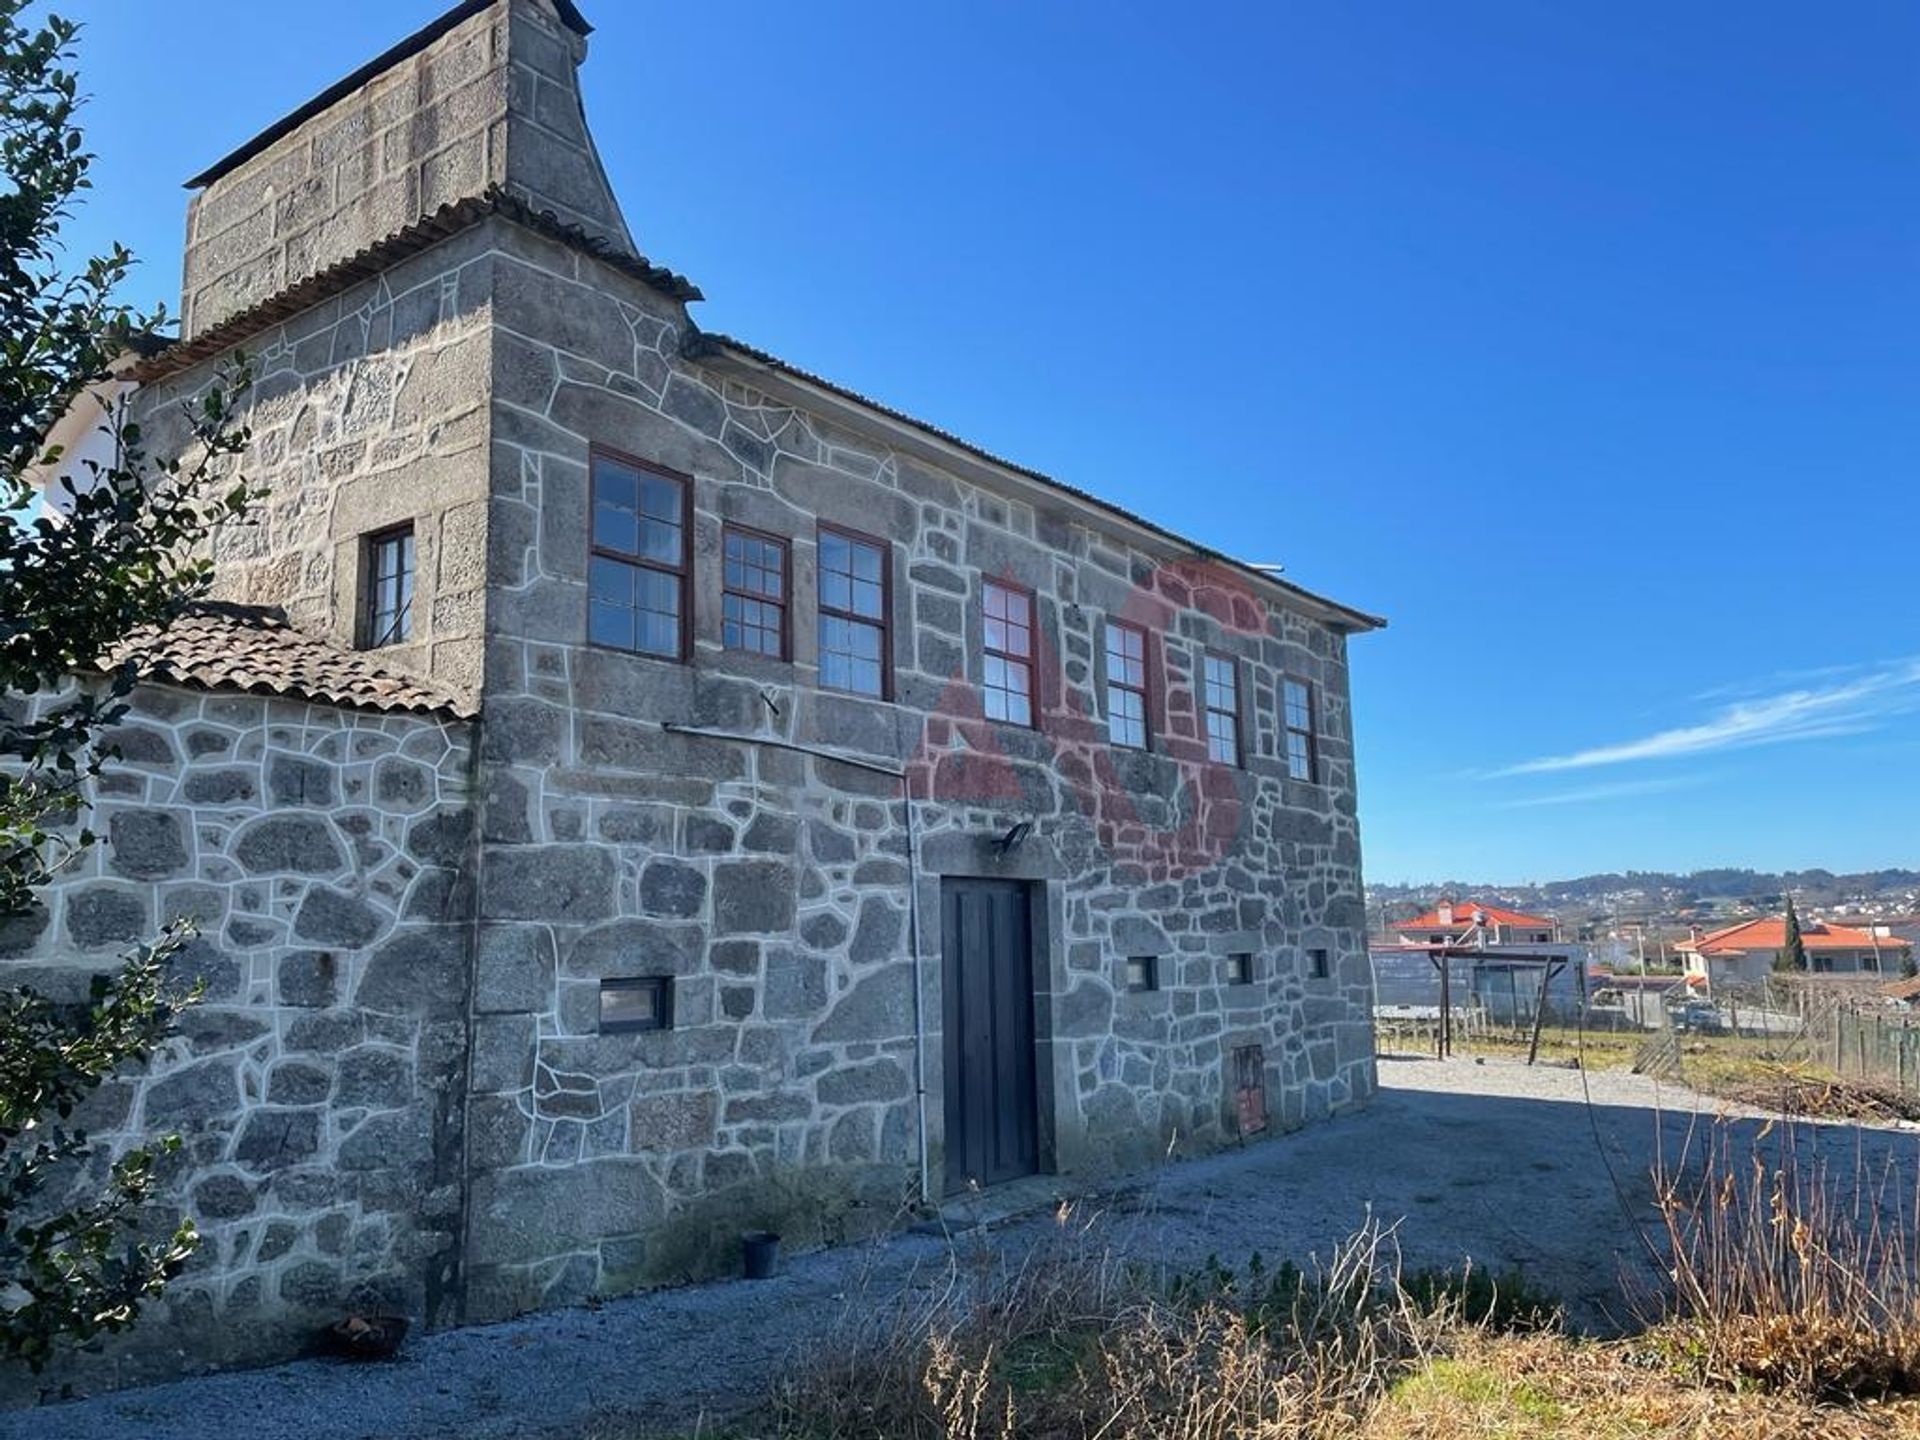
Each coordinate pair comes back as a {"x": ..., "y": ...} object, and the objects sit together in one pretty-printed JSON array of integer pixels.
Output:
[{"x": 1505, "y": 1165}]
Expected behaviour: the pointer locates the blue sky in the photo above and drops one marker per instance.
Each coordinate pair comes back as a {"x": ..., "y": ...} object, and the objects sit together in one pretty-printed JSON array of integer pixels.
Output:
[{"x": 1581, "y": 341}]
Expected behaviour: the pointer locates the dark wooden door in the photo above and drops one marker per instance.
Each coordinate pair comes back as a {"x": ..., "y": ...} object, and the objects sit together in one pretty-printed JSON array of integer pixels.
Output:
[{"x": 993, "y": 1127}]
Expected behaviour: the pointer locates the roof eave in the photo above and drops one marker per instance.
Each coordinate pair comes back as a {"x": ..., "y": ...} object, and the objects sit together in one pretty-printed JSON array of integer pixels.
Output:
[
  {"x": 427, "y": 231},
  {"x": 862, "y": 415}
]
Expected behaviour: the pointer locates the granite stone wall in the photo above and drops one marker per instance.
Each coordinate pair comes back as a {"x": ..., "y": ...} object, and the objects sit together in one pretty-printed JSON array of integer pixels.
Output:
[
  {"x": 493, "y": 102},
  {"x": 319, "y": 1086},
  {"x": 367, "y": 411},
  {"x": 775, "y": 884},
  {"x": 634, "y": 817}
]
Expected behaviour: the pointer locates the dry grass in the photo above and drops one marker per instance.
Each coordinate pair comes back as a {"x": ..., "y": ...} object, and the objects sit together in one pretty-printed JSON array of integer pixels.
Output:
[
  {"x": 1539, "y": 1386},
  {"x": 1793, "y": 1311},
  {"x": 1076, "y": 1344},
  {"x": 1788, "y": 1274},
  {"x": 1768, "y": 1073}
]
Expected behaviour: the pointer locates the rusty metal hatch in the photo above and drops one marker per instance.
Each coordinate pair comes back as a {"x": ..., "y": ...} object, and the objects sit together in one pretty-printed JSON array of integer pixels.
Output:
[{"x": 1250, "y": 1088}]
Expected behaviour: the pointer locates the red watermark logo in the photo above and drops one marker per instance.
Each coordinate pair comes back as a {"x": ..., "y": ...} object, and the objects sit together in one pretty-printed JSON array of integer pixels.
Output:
[{"x": 1192, "y": 822}]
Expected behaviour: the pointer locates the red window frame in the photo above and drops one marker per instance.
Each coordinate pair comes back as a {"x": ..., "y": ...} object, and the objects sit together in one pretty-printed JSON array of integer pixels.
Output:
[
  {"x": 1144, "y": 689},
  {"x": 1208, "y": 709},
  {"x": 682, "y": 572},
  {"x": 884, "y": 622},
  {"x": 1022, "y": 662},
  {"x": 1311, "y": 731},
  {"x": 784, "y": 604}
]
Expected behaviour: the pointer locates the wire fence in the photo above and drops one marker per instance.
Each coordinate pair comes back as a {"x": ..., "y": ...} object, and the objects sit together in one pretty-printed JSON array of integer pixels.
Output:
[{"x": 1862, "y": 1044}]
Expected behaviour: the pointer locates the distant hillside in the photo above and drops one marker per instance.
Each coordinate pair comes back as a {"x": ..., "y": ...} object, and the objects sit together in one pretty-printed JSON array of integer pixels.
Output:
[{"x": 1660, "y": 895}]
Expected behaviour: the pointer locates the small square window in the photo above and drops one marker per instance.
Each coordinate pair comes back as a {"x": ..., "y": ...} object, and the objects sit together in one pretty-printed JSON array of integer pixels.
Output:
[
  {"x": 636, "y": 1004},
  {"x": 1143, "y": 973},
  {"x": 1240, "y": 969},
  {"x": 1319, "y": 964}
]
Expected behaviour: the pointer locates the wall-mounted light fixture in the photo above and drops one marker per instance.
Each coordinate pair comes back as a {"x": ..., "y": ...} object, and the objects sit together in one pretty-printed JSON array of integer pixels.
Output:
[{"x": 1015, "y": 837}]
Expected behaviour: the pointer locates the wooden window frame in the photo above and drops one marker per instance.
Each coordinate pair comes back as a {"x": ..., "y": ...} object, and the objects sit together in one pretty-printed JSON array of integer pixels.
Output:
[
  {"x": 1289, "y": 730},
  {"x": 1031, "y": 660},
  {"x": 1207, "y": 709},
  {"x": 884, "y": 623},
  {"x": 662, "y": 988},
  {"x": 785, "y": 547},
  {"x": 369, "y": 639},
  {"x": 683, "y": 573},
  {"x": 1144, "y": 689}
]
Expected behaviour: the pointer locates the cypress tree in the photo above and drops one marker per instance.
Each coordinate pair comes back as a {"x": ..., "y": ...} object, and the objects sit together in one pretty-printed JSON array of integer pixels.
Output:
[{"x": 1793, "y": 950}]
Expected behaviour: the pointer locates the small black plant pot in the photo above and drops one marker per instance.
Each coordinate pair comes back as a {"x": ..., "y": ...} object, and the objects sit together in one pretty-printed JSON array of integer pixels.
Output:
[
  {"x": 759, "y": 1254},
  {"x": 367, "y": 1337}
]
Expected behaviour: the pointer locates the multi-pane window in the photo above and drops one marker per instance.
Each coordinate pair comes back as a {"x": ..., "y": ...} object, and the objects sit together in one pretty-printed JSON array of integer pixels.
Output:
[
  {"x": 637, "y": 570},
  {"x": 1127, "y": 684},
  {"x": 1296, "y": 705},
  {"x": 390, "y": 587},
  {"x": 1221, "y": 683},
  {"x": 753, "y": 599},
  {"x": 853, "y": 613},
  {"x": 1006, "y": 682}
]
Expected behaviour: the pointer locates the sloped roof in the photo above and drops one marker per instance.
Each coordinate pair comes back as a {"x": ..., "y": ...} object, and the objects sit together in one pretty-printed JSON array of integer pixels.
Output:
[
  {"x": 705, "y": 344},
  {"x": 1907, "y": 989},
  {"x": 449, "y": 220},
  {"x": 252, "y": 648},
  {"x": 1463, "y": 913},
  {"x": 1770, "y": 933}
]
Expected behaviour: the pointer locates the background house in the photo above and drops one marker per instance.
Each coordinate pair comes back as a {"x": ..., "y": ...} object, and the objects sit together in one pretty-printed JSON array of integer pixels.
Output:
[
  {"x": 1497, "y": 961},
  {"x": 1745, "y": 954}
]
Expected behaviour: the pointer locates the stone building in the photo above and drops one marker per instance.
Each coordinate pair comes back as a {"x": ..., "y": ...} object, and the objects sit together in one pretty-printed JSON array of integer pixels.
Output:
[{"x": 664, "y": 793}]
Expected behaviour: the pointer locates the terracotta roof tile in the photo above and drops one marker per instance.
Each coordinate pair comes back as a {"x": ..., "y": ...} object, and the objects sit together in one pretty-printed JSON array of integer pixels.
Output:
[
  {"x": 252, "y": 648},
  {"x": 1463, "y": 913},
  {"x": 1770, "y": 933}
]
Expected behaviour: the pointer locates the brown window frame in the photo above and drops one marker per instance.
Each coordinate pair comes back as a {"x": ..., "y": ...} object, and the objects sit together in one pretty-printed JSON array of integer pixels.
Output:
[
  {"x": 1144, "y": 689},
  {"x": 1030, "y": 661},
  {"x": 683, "y": 572},
  {"x": 369, "y": 608},
  {"x": 785, "y": 547},
  {"x": 1208, "y": 710},
  {"x": 1288, "y": 730},
  {"x": 884, "y": 624}
]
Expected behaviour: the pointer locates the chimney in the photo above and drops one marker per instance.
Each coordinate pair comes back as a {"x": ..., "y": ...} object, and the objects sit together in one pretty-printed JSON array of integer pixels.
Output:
[
  {"x": 1446, "y": 912},
  {"x": 486, "y": 97}
]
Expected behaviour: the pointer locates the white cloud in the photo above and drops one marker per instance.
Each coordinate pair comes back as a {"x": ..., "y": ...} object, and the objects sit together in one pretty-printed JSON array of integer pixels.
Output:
[
  {"x": 1615, "y": 790},
  {"x": 1847, "y": 707}
]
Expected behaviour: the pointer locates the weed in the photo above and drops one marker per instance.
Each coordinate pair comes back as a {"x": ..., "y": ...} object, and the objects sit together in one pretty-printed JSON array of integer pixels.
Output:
[{"x": 1790, "y": 1275}]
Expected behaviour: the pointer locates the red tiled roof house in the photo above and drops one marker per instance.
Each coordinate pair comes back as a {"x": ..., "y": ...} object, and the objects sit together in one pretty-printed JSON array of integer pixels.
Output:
[{"x": 1746, "y": 954}]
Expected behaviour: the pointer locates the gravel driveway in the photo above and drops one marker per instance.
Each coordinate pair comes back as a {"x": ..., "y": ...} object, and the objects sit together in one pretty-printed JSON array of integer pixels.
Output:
[{"x": 1539, "y": 1168}]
